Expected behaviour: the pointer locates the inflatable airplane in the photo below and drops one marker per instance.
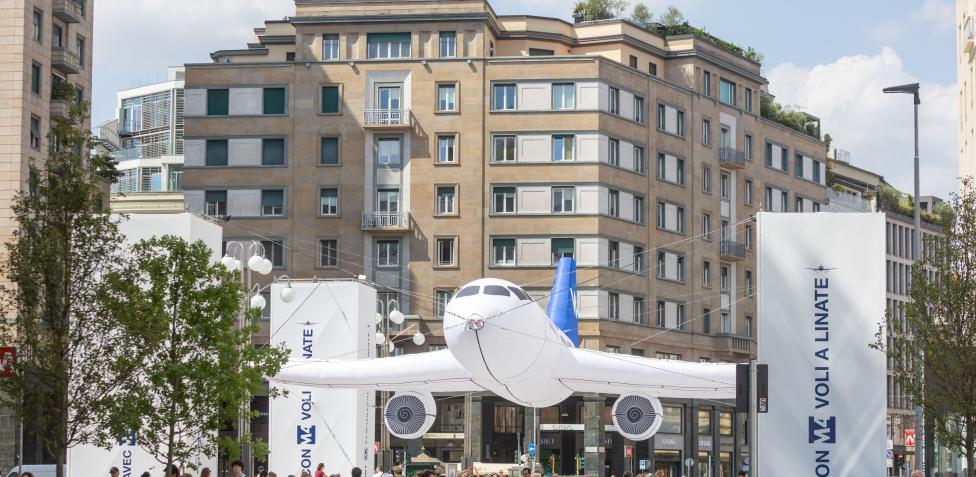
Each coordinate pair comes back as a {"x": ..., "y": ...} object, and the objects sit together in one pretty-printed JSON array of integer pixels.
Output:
[{"x": 500, "y": 340}]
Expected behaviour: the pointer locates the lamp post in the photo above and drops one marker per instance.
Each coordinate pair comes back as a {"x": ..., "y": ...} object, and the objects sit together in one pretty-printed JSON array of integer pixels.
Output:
[
  {"x": 912, "y": 89},
  {"x": 245, "y": 257},
  {"x": 389, "y": 314}
]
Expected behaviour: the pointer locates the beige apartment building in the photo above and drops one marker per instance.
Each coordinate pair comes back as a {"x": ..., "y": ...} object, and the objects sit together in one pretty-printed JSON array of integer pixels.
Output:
[
  {"x": 966, "y": 76},
  {"x": 424, "y": 144},
  {"x": 42, "y": 43}
]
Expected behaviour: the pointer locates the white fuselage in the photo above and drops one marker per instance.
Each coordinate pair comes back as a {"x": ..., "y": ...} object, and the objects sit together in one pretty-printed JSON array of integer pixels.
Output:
[{"x": 507, "y": 343}]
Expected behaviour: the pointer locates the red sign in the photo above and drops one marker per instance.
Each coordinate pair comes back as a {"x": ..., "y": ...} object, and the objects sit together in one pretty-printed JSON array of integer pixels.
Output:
[
  {"x": 628, "y": 452},
  {"x": 376, "y": 448},
  {"x": 8, "y": 359},
  {"x": 910, "y": 437}
]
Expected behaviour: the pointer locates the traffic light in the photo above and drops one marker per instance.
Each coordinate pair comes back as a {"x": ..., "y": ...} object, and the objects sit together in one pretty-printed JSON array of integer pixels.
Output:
[{"x": 898, "y": 461}]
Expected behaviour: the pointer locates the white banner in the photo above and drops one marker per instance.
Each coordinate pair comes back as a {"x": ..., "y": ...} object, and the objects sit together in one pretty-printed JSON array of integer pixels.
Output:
[
  {"x": 324, "y": 320},
  {"x": 821, "y": 297}
]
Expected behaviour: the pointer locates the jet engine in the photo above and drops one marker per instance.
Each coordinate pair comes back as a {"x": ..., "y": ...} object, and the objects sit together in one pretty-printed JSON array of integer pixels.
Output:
[
  {"x": 408, "y": 415},
  {"x": 637, "y": 416}
]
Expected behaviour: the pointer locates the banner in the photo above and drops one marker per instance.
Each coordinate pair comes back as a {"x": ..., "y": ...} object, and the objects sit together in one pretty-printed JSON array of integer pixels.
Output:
[
  {"x": 323, "y": 320},
  {"x": 821, "y": 298}
]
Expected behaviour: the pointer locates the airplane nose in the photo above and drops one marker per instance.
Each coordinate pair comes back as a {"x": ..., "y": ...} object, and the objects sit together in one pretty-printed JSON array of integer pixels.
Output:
[{"x": 475, "y": 322}]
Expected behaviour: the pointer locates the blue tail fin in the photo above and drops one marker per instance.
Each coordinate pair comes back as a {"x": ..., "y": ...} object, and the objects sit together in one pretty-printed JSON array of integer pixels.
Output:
[{"x": 562, "y": 300}]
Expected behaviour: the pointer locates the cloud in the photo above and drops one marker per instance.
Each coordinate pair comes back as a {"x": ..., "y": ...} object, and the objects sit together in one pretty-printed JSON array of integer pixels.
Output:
[
  {"x": 886, "y": 32},
  {"x": 878, "y": 128},
  {"x": 940, "y": 13}
]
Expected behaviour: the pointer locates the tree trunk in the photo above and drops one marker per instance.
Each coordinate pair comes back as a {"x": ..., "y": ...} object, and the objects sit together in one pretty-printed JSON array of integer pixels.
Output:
[{"x": 62, "y": 459}]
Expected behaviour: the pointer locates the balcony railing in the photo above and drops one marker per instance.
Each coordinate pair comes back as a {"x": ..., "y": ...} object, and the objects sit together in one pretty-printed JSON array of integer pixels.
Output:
[
  {"x": 386, "y": 118},
  {"x": 59, "y": 108},
  {"x": 730, "y": 157},
  {"x": 65, "y": 61},
  {"x": 851, "y": 201},
  {"x": 68, "y": 11},
  {"x": 732, "y": 250},
  {"x": 730, "y": 343},
  {"x": 386, "y": 221}
]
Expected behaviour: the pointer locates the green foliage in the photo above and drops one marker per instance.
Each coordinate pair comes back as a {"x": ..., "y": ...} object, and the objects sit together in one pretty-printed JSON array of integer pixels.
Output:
[
  {"x": 63, "y": 90},
  {"x": 673, "y": 18},
  {"x": 939, "y": 327},
  {"x": 787, "y": 116},
  {"x": 77, "y": 349},
  {"x": 893, "y": 200},
  {"x": 945, "y": 213},
  {"x": 642, "y": 16},
  {"x": 599, "y": 9},
  {"x": 202, "y": 368}
]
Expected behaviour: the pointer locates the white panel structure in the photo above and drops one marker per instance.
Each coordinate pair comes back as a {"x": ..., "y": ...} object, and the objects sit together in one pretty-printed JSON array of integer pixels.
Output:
[
  {"x": 626, "y": 155},
  {"x": 534, "y": 148},
  {"x": 244, "y": 152},
  {"x": 588, "y": 95},
  {"x": 588, "y": 251},
  {"x": 588, "y": 199},
  {"x": 588, "y": 147},
  {"x": 194, "y": 102},
  {"x": 534, "y": 200},
  {"x": 533, "y": 252},
  {"x": 245, "y": 101},
  {"x": 326, "y": 320},
  {"x": 626, "y": 205},
  {"x": 193, "y": 201},
  {"x": 244, "y": 202},
  {"x": 194, "y": 152},
  {"x": 534, "y": 96},
  {"x": 591, "y": 301},
  {"x": 671, "y": 217},
  {"x": 627, "y": 257},
  {"x": 820, "y": 298},
  {"x": 626, "y": 104},
  {"x": 626, "y": 311}
]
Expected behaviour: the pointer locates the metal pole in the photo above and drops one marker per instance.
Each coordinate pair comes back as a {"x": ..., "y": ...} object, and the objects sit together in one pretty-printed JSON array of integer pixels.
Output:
[
  {"x": 916, "y": 240},
  {"x": 753, "y": 419},
  {"x": 20, "y": 451}
]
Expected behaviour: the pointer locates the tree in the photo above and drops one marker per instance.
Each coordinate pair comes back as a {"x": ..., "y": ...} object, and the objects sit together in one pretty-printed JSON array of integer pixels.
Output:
[
  {"x": 599, "y": 9},
  {"x": 642, "y": 16},
  {"x": 76, "y": 348},
  {"x": 204, "y": 367},
  {"x": 672, "y": 17},
  {"x": 939, "y": 328}
]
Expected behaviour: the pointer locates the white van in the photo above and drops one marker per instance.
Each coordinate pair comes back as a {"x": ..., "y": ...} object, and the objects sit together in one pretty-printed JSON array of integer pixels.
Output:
[{"x": 38, "y": 470}]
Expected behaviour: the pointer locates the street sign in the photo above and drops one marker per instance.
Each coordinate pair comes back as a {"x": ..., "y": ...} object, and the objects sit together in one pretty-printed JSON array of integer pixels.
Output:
[
  {"x": 8, "y": 359},
  {"x": 910, "y": 437},
  {"x": 628, "y": 452},
  {"x": 742, "y": 388},
  {"x": 689, "y": 462},
  {"x": 376, "y": 448},
  {"x": 531, "y": 449}
]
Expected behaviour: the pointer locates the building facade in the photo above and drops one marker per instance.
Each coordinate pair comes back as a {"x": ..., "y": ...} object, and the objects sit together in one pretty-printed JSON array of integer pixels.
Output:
[
  {"x": 425, "y": 144},
  {"x": 966, "y": 81},
  {"x": 43, "y": 43},
  {"x": 146, "y": 139}
]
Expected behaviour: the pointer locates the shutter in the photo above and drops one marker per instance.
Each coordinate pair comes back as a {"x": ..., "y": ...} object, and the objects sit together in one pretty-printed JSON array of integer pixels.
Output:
[
  {"x": 274, "y": 100},
  {"x": 273, "y": 152},
  {"x": 330, "y": 150},
  {"x": 216, "y": 152},
  {"x": 330, "y": 99},
  {"x": 217, "y": 102}
]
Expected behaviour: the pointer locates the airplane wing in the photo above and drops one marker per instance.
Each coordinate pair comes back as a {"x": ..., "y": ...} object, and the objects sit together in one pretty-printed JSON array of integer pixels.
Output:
[
  {"x": 435, "y": 371},
  {"x": 590, "y": 371}
]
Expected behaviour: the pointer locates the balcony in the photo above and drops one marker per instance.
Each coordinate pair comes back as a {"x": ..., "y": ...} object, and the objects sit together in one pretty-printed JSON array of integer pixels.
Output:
[
  {"x": 386, "y": 118},
  {"x": 59, "y": 108},
  {"x": 967, "y": 36},
  {"x": 386, "y": 221},
  {"x": 846, "y": 200},
  {"x": 729, "y": 250},
  {"x": 65, "y": 61},
  {"x": 731, "y": 158},
  {"x": 729, "y": 343},
  {"x": 68, "y": 11}
]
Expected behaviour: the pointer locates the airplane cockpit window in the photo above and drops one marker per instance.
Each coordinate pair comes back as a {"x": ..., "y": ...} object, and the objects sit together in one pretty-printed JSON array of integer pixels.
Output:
[
  {"x": 520, "y": 293},
  {"x": 467, "y": 291},
  {"x": 496, "y": 290}
]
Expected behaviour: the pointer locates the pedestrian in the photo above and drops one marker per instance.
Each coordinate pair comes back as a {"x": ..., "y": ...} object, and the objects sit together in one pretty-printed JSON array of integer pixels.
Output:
[
  {"x": 320, "y": 470},
  {"x": 272, "y": 474},
  {"x": 526, "y": 472},
  {"x": 174, "y": 471},
  {"x": 741, "y": 473},
  {"x": 356, "y": 472},
  {"x": 306, "y": 473},
  {"x": 918, "y": 473},
  {"x": 114, "y": 472},
  {"x": 205, "y": 472},
  {"x": 146, "y": 474},
  {"x": 237, "y": 469},
  {"x": 27, "y": 474}
]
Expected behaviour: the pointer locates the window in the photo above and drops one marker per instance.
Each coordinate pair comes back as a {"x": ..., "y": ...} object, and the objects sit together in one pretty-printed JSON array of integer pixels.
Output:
[
  {"x": 706, "y": 132},
  {"x": 563, "y": 199},
  {"x": 639, "y": 109},
  {"x": 563, "y": 248},
  {"x": 563, "y": 96},
  {"x": 633, "y": 61},
  {"x": 503, "y": 200},
  {"x": 727, "y": 92},
  {"x": 446, "y": 149},
  {"x": 57, "y": 36},
  {"x": 329, "y": 201},
  {"x": 445, "y": 200},
  {"x": 725, "y": 185},
  {"x": 671, "y": 356},
  {"x": 274, "y": 100},
  {"x": 388, "y": 151},
  {"x": 504, "y": 149},
  {"x": 274, "y": 250},
  {"x": 445, "y": 252},
  {"x": 707, "y": 226},
  {"x": 447, "y": 97},
  {"x": 328, "y": 253},
  {"x": 216, "y": 153},
  {"x": 441, "y": 299},
  {"x": 388, "y": 45},
  {"x": 448, "y": 44},
  {"x": 639, "y": 163},
  {"x": 387, "y": 253},
  {"x": 816, "y": 171},
  {"x": 768, "y": 200},
  {"x": 798, "y": 165},
  {"x": 671, "y": 266},
  {"x": 614, "y": 101},
  {"x": 749, "y": 326},
  {"x": 388, "y": 201},
  {"x": 215, "y": 202},
  {"x": 504, "y": 97},
  {"x": 706, "y": 83},
  {"x": 272, "y": 152},
  {"x": 290, "y": 56},
  {"x": 670, "y": 217},
  {"x": 541, "y": 52},
  {"x": 748, "y": 236},
  {"x": 272, "y": 203},
  {"x": 639, "y": 260},
  {"x": 35, "y": 79},
  {"x": 670, "y": 169},
  {"x": 613, "y": 205},
  {"x": 503, "y": 251},
  {"x": 748, "y": 282},
  {"x": 562, "y": 147},
  {"x": 672, "y": 420},
  {"x": 613, "y": 153},
  {"x": 38, "y": 25},
  {"x": 218, "y": 101},
  {"x": 652, "y": 68},
  {"x": 151, "y": 180},
  {"x": 705, "y": 422},
  {"x": 613, "y": 254},
  {"x": 748, "y": 104},
  {"x": 748, "y": 146},
  {"x": 330, "y": 46},
  {"x": 175, "y": 177},
  {"x": 330, "y": 99},
  {"x": 639, "y": 210},
  {"x": 747, "y": 192},
  {"x": 613, "y": 306},
  {"x": 680, "y": 123},
  {"x": 330, "y": 151},
  {"x": 725, "y": 283},
  {"x": 707, "y": 179},
  {"x": 725, "y": 323},
  {"x": 611, "y": 348},
  {"x": 706, "y": 274},
  {"x": 640, "y": 313}
]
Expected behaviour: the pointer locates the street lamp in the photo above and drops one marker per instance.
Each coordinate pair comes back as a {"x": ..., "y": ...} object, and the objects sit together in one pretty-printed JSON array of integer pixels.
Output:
[{"x": 912, "y": 89}]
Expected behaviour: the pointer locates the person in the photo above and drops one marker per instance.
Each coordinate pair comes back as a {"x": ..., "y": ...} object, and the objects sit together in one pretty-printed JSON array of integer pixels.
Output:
[
  {"x": 205, "y": 472},
  {"x": 741, "y": 473},
  {"x": 272, "y": 474},
  {"x": 237, "y": 469},
  {"x": 356, "y": 472},
  {"x": 114, "y": 472},
  {"x": 320, "y": 470},
  {"x": 306, "y": 473},
  {"x": 526, "y": 472},
  {"x": 918, "y": 473},
  {"x": 174, "y": 471},
  {"x": 555, "y": 474},
  {"x": 27, "y": 474},
  {"x": 146, "y": 474}
]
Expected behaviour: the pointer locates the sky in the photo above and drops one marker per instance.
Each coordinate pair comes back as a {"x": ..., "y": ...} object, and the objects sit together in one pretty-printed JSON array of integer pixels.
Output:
[{"x": 830, "y": 58}]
